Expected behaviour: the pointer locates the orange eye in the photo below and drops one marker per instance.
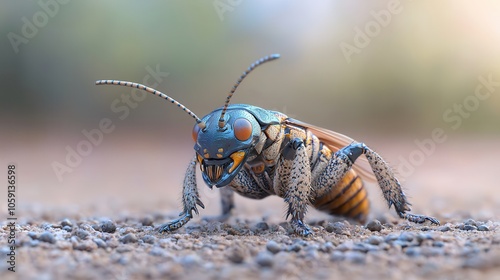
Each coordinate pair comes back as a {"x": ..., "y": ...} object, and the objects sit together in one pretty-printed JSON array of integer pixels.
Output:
[
  {"x": 242, "y": 129},
  {"x": 196, "y": 130}
]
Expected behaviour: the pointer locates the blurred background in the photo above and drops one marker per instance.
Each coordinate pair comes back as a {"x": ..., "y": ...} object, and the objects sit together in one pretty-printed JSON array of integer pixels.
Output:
[{"x": 386, "y": 73}]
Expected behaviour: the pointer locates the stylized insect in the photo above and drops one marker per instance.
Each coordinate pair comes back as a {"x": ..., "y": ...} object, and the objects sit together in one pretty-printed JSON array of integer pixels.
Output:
[{"x": 256, "y": 153}]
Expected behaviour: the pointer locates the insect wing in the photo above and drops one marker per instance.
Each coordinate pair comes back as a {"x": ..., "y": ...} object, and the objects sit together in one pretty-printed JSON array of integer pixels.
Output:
[{"x": 336, "y": 141}]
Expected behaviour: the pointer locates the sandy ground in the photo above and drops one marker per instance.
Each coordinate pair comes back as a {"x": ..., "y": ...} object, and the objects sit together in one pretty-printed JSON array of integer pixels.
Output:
[{"x": 99, "y": 222}]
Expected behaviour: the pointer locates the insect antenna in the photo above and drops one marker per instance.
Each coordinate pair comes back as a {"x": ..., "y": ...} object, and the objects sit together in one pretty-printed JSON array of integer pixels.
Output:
[
  {"x": 200, "y": 123},
  {"x": 235, "y": 86}
]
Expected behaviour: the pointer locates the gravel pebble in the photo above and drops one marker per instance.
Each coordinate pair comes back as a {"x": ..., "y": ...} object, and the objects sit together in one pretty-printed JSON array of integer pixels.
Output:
[
  {"x": 338, "y": 228},
  {"x": 147, "y": 221},
  {"x": 262, "y": 226},
  {"x": 273, "y": 247},
  {"x": 85, "y": 245},
  {"x": 236, "y": 254},
  {"x": 47, "y": 237},
  {"x": 264, "y": 259},
  {"x": 108, "y": 226},
  {"x": 468, "y": 227},
  {"x": 337, "y": 256},
  {"x": 470, "y": 222},
  {"x": 66, "y": 222},
  {"x": 374, "y": 225},
  {"x": 190, "y": 260},
  {"x": 355, "y": 257},
  {"x": 82, "y": 234},
  {"x": 444, "y": 228},
  {"x": 326, "y": 247},
  {"x": 67, "y": 228},
  {"x": 100, "y": 243},
  {"x": 295, "y": 247},
  {"x": 148, "y": 239},
  {"x": 129, "y": 238},
  {"x": 406, "y": 236},
  {"x": 375, "y": 240},
  {"x": 483, "y": 228}
]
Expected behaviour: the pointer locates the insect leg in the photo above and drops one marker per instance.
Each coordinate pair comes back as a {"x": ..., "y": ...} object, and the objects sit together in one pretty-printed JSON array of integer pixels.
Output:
[
  {"x": 190, "y": 198},
  {"x": 293, "y": 183},
  {"x": 391, "y": 188}
]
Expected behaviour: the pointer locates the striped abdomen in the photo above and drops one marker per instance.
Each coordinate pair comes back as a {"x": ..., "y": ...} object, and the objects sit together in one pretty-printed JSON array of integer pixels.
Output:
[{"x": 348, "y": 198}]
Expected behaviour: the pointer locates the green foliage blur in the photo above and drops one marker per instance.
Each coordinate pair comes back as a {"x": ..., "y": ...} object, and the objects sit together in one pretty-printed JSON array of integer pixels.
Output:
[{"x": 425, "y": 59}]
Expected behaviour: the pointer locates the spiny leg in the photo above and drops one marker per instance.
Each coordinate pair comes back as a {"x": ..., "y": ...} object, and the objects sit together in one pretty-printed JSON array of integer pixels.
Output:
[
  {"x": 190, "y": 198},
  {"x": 391, "y": 188},
  {"x": 227, "y": 204},
  {"x": 293, "y": 183}
]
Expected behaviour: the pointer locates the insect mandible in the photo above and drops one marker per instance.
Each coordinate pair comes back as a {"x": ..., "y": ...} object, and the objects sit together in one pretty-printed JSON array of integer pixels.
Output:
[{"x": 256, "y": 153}]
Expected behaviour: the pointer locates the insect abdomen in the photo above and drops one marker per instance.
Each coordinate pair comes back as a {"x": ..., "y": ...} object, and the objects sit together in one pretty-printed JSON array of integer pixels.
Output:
[{"x": 348, "y": 198}]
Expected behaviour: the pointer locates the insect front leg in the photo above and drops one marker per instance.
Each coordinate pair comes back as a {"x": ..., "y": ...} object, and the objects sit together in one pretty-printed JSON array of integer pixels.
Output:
[
  {"x": 190, "y": 198},
  {"x": 292, "y": 181},
  {"x": 391, "y": 188}
]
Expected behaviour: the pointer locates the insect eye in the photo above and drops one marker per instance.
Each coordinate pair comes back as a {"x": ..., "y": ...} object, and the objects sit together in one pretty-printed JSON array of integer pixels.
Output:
[
  {"x": 242, "y": 129},
  {"x": 196, "y": 130}
]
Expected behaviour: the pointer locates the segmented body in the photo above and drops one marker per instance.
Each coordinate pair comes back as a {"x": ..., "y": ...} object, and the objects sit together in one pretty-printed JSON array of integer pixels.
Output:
[{"x": 346, "y": 198}]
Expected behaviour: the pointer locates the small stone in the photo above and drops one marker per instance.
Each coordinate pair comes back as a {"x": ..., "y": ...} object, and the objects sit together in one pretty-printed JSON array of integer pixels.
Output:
[
  {"x": 123, "y": 248},
  {"x": 469, "y": 227},
  {"x": 374, "y": 225},
  {"x": 375, "y": 240},
  {"x": 47, "y": 237},
  {"x": 364, "y": 247},
  {"x": 312, "y": 253},
  {"x": 432, "y": 251},
  {"x": 406, "y": 236},
  {"x": 444, "y": 228},
  {"x": 273, "y": 247},
  {"x": 438, "y": 244},
  {"x": 264, "y": 259},
  {"x": 67, "y": 228},
  {"x": 346, "y": 246},
  {"x": 295, "y": 247},
  {"x": 355, "y": 257},
  {"x": 421, "y": 237},
  {"x": 128, "y": 238},
  {"x": 327, "y": 247},
  {"x": 148, "y": 239},
  {"x": 82, "y": 234},
  {"x": 66, "y": 222},
  {"x": 147, "y": 221},
  {"x": 401, "y": 243},
  {"x": 391, "y": 237},
  {"x": 483, "y": 228},
  {"x": 470, "y": 222},
  {"x": 157, "y": 251},
  {"x": 236, "y": 254},
  {"x": 413, "y": 251},
  {"x": 336, "y": 256},
  {"x": 85, "y": 245},
  {"x": 262, "y": 226},
  {"x": 33, "y": 235},
  {"x": 100, "y": 243},
  {"x": 108, "y": 226},
  {"x": 338, "y": 228},
  {"x": 190, "y": 260}
]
